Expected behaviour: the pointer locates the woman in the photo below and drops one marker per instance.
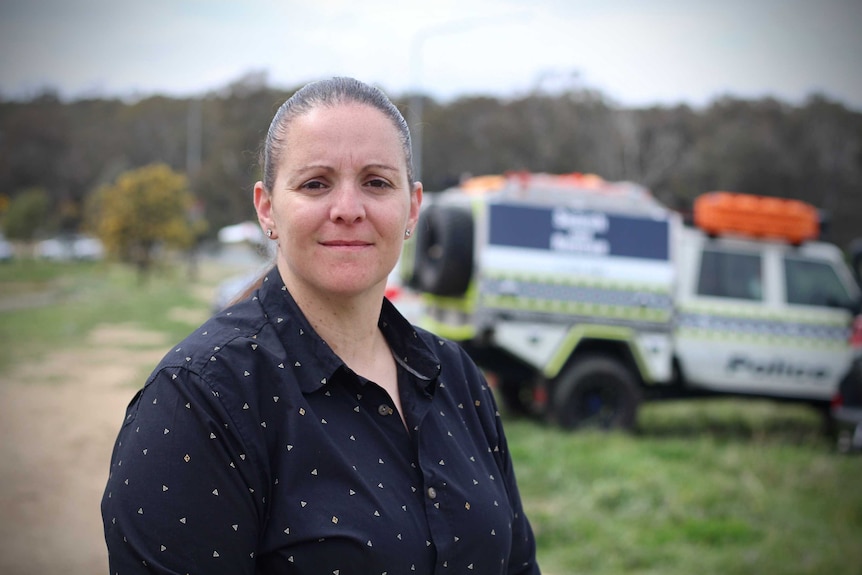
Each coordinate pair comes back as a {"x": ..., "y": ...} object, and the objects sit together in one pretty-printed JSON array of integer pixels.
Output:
[{"x": 310, "y": 428}]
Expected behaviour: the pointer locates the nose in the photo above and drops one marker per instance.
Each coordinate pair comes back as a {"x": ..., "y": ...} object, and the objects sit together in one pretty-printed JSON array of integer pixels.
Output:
[{"x": 347, "y": 203}]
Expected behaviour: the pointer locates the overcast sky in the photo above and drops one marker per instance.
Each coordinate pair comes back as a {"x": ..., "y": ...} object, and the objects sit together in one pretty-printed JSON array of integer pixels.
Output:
[{"x": 635, "y": 52}]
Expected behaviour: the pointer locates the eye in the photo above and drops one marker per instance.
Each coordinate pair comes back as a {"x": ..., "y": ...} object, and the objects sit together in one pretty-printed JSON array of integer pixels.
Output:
[
  {"x": 313, "y": 185},
  {"x": 378, "y": 183}
]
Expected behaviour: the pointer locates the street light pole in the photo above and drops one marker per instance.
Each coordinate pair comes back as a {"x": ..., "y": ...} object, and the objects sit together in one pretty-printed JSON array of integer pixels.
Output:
[{"x": 414, "y": 113}]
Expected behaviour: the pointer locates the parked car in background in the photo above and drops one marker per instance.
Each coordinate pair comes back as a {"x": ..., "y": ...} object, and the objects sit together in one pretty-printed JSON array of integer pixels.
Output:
[
  {"x": 71, "y": 248},
  {"x": 6, "y": 251},
  {"x": 228, "y": 290}
]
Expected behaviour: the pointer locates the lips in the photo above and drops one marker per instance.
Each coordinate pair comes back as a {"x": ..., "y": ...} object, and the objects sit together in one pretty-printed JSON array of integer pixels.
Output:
[{"x": 345, "y": 243}]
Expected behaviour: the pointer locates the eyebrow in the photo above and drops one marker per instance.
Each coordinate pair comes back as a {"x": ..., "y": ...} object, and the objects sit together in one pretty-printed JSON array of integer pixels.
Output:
[
  {"x": 382, "y": 167},
  {"x": 329, "y": 168}
]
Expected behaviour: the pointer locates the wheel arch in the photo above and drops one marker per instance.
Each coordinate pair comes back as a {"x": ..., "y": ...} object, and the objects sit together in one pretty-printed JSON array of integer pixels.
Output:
[{"x": 582, "y": 340}]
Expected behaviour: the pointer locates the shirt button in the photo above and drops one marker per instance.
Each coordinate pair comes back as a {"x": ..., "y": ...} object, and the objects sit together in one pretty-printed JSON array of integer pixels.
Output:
[
  {"x": 432, "y": 493},
  {"x": 384, "y": 409}
]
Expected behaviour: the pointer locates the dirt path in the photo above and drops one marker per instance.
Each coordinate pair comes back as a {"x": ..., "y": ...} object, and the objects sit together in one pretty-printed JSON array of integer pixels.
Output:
[{"x": 58, "y": 421}]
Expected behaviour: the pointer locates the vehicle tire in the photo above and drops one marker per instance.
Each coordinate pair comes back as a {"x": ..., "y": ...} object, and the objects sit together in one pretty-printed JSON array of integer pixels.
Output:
[
  {"x": 444, "y": 250},
  {"x": 596, "y": 392}
]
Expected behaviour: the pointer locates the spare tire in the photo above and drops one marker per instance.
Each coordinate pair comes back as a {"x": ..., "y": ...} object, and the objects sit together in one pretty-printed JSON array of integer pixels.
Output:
[{"x": 444, "y": 250}]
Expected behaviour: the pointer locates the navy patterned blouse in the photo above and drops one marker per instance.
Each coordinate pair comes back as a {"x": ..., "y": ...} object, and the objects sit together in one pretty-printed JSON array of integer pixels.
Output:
[{"x": 253, "y": 448}]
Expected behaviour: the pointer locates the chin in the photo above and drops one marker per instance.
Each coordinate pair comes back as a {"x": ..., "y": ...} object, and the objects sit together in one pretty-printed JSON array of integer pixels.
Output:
[{"x": 346, "y": 288}]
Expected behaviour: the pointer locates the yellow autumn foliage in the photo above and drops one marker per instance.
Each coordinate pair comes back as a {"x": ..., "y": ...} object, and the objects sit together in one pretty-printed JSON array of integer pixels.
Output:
[{"x": 145, "y": 209}]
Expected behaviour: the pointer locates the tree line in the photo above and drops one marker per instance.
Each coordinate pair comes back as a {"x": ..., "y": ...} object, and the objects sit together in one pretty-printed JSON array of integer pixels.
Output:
[{"x": 811, "y": 151}]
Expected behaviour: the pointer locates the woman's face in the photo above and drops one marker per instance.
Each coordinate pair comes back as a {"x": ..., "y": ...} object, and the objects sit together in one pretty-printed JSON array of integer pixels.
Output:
[{"x": 341, "y": 201}]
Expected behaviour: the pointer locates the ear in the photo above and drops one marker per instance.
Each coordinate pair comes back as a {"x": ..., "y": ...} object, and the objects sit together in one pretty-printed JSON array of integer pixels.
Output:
[
  {"x": 263, "y": 207},
  {"x": 415, "y": 204}
]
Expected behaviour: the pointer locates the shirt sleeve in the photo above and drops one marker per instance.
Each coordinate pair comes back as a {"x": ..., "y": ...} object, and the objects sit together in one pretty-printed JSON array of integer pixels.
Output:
[{"x": 182, "y": 496}]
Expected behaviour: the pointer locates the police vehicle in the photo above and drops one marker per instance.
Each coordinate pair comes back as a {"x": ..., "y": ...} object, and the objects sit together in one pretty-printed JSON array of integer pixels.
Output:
[{"x": 582, "y": 297}]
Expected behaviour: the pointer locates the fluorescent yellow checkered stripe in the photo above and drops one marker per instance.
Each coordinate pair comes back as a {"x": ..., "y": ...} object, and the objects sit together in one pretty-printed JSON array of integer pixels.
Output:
[
  {"x": 560, "y": 295},
  {"x": 576, "y": 308},
  {"x": 799, "y": 330},
  {"x": 569, "y": 280},
  {"x": 760, "y": 313}
]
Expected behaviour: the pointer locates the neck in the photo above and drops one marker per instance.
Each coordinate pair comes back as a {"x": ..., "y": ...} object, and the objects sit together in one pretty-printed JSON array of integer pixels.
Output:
[{"x": 348, "y": 325}]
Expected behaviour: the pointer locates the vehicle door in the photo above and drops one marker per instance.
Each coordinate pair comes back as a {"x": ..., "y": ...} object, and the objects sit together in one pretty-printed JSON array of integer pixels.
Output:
[{"x": 765, "y": 320}]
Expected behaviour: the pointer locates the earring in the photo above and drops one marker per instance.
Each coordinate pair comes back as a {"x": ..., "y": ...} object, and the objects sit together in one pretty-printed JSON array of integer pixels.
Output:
[
  {"x": 268, "y": 232},
  {"x": 407, "y": 233}
]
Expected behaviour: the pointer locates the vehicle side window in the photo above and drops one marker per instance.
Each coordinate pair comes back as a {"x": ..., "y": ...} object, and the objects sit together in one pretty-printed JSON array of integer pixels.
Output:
[
  {"x": 811, "y": 282},
  {"x": 728, "y": 274}
]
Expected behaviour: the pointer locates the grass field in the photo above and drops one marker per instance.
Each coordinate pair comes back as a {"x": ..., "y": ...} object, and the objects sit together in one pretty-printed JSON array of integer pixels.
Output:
[
  {"x": 709, "y": 486},
  {"x": 44, "y": 305}
]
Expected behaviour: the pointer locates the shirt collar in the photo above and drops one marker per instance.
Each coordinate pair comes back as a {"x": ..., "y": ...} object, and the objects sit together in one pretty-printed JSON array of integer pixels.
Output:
[
  {"x": 411, "y": 351},
  {"x": 314, "y": 361}
]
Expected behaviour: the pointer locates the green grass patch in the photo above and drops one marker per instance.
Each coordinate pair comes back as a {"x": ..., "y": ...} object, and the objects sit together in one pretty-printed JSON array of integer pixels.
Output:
[
  {"x": 705, "y": 501},
  {"x": 46, "y": 306}
]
